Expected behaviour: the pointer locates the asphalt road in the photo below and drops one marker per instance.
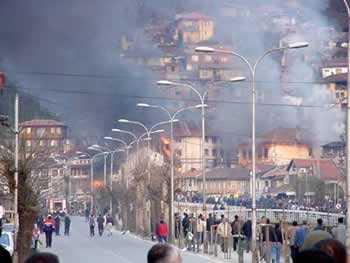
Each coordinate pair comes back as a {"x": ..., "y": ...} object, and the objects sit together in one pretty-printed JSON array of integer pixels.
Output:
[{"x": 80, "y": 247}]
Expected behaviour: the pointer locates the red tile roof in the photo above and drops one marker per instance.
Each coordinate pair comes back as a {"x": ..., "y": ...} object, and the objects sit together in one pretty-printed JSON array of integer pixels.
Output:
[
  {"x": 328, "y": 169},
  {"x": 192, "y": 16},
  {"x": 221, "y": 173},
  {"x": 41, "y": 123}
]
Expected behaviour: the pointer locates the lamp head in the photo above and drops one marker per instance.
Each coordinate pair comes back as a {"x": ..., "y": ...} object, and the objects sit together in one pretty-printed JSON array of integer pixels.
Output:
[
  {"x": 237, "y": 79},
  {"x": 204, "y": 49},
  {"x": 298, "y": 45},
  {"x": 116, "y": 130},
  {"x": 145, "y": 105},
  {"x": 157, "y": 131},
  {"x": 201, "y": 105},
  {"x": 108, "y": 138},
  {"x": 123, "y": 120},
  {"x": 165, "y": 83}
]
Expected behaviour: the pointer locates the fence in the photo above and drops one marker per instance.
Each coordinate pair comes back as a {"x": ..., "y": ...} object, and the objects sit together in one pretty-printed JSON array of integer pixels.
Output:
[{"x": 274, "y": 215}]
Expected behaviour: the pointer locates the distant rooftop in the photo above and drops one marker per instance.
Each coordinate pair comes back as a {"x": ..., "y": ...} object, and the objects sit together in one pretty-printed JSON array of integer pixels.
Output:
[
  {"x": 41, "y": 123},
  {"x": 192, "y": 16}
]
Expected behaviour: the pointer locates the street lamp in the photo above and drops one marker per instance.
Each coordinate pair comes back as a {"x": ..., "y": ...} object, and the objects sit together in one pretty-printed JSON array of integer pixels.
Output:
[
  {"x": 172, "y": 166},
  {"x": 202, "y": 97},
  {"x": 105, "y": 152},
  {"x": 252, "y": 69}
]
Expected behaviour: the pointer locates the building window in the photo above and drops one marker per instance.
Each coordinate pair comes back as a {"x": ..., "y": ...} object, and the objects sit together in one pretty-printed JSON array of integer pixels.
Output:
[
  {"x": 207, "y": 58},
  {"x": 52, "y": 130},
  {"x": 40, "y": 132},
  {"x": 53, "y": 143},
  {"x": 58, "y": 130},
  {"x": 28, "y": 143},
  {"x": 338, "y": 70},
  {"x": 178, "y": 152},
  {"x": 189, "y": 67},
  {"x": 195, "y": 58},
  {"x": 41, "y": 143},
  {"x": 224, "y": 59},
  {"x": 250, "y": 155},
  {"x": 214, "y": 152},
  {"x": 206, "y": 152},
  {"x": 178, "y": 140},
  {"x": 266, "y": 153},
  {"x": 206, "y": 139},
  {"x": 214, "y": 139},
  {"x": 29, "y": 130},
  {"x": 222, "y": 153}
]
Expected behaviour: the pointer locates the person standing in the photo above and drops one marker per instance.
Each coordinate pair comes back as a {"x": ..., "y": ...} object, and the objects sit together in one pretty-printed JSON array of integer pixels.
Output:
[
  {"x": 291, "y": 238},
  {"x": 49, "y": 228},
  {"x": 92, "y": 225},
  {"x": 162, "y": 231},
  {"x": 66, "y": 225},
  {"x": 320, "y": 225},
  {"x": 300, "y": 234},
  {"x": 185, "y": 224},
  {"x": 275, "y": 235},
  {"x": 210, "y": 222},
  {"x": 2, "y": 212},
  {"x": 247, "y": 232},
  {"x": 57, "y": 224},
  {"x": 235, "y": 226},
  {"x": 201, "y": 227},
  {"x": 87, "y": 213},
  {"x": 224, "y": 231},
  {"x": 100, "y": 223},
  {"x": 339, "y": 232}
]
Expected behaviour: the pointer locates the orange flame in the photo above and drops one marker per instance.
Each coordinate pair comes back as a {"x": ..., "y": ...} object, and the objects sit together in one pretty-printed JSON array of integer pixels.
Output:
[
  {"x": 97, "y": 184},
  {"x": 165, "y": 145}
]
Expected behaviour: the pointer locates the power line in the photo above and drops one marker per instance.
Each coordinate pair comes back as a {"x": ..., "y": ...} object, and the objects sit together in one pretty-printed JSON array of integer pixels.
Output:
[{"x": 81, "y": 92}]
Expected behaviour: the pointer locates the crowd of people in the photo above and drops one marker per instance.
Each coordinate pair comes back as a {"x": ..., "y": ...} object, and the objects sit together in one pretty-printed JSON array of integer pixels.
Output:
[
  {"x": 49, "y": 225},
  {"x": 268, "y": 202},
  {"x": 271, "y": 236}
]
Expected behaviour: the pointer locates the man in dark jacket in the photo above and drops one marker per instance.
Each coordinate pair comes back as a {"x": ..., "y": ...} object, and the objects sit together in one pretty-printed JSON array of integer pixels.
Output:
[
  {"x": 66, "y": 225},
  {"x": 235, "y": 231},
  {"x": 210, "y": 222},
  {"x": 185, "y": 224},
  {"x": 57, "y": 224},
  {"x": 247, "y": 232},
  {"x": 100, "y": 222}
]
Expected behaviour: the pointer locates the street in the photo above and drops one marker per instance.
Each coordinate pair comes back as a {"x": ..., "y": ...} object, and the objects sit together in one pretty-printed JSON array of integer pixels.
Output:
[{"x": 80, "y": 247}]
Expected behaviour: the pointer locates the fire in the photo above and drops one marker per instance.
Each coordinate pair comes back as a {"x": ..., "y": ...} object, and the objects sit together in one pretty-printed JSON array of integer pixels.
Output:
[
  {"x": 165, "y": 145},
  {"x": 97, "y": 184}
]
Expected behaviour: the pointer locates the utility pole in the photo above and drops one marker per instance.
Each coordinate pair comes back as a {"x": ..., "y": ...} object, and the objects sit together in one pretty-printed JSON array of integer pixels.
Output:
[
  {"x": 15, "y": 258},
  {"x": 347, "y": 141}
]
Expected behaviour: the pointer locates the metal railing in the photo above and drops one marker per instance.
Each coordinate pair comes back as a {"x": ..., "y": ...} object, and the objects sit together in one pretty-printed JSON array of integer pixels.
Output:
[{"x": 275, "y": 215}]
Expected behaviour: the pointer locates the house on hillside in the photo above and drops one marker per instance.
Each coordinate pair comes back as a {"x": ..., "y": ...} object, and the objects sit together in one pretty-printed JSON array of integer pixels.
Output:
[{"x": 278, "y": 147}]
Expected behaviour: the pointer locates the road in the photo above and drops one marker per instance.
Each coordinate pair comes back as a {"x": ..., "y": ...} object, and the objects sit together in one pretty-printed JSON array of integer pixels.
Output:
[{"x": 80, "y": 247}]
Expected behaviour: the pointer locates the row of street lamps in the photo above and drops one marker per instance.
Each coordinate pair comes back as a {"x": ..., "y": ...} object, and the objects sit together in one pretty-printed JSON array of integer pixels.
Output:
[{"x": 172, "y": 119}]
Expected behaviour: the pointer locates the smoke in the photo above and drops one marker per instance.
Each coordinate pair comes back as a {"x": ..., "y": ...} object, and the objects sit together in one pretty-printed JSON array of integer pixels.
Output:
[{"x": 83, "y": 37}]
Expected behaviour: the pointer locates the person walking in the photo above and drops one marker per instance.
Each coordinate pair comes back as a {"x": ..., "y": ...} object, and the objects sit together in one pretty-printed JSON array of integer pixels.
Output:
[
  {"x": 57, "y": 224},
  {"x": 162, "y": 231},
  {"x": 100, "y": 223},
  {"x": 339, "y": 232},
  {"x": 87, "y": 214},
  {"x": 109, "y": 225},
  {"x": 247, "y": 232},
  {"x": 36, "y": 235},
  {"x": 66, "y": 225},
  {"x": 49, "y": 228},
  {"x": 92, "y": 223},
  {"x": 235, "y": 226}
]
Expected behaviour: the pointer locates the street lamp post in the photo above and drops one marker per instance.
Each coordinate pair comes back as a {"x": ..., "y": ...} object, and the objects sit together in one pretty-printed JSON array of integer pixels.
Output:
[
  {"x": 348, "y": 139},
  {"x": 202, "y": 98},
  {"x": 172, "y": 118},
  {"x": 135, "y": 140},
  {"x": 252, "y": 69}
]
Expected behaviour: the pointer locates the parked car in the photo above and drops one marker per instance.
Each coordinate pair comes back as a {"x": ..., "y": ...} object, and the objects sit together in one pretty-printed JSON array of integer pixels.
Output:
[{"x": 6, "y": 240}]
